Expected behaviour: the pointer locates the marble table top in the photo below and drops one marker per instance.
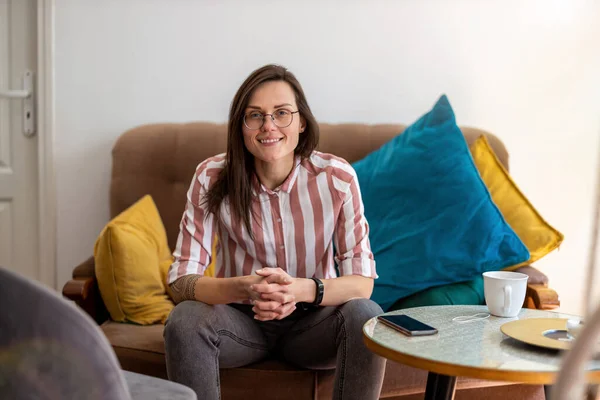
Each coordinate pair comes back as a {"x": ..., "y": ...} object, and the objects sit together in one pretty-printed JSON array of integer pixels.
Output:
[{"x": 474, "y": 345}]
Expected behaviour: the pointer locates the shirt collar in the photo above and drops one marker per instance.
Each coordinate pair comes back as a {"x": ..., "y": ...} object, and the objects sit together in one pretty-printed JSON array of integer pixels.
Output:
[{"x": 286, "y": 186}]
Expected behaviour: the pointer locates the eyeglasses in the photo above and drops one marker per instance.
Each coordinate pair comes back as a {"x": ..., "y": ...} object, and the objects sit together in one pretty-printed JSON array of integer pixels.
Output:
[{"x": 281, "y": 118}]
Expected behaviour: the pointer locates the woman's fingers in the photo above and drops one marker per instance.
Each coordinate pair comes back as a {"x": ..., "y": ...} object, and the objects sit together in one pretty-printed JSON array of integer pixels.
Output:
[
  {"x": 275, "y": 275},
  {"x": 286, "y": 310},
  {"x": 268, "y": 287},
  {"x": 269, "y": 271},
  {"x": 280, "y": 297},
  {"x": 280, "y": 313},
  {"x": 273, "y": 300},
  {"x": 265, "y": 316},
  {"x": 279, "y": 278},
  {"x": 266, "y": 306},
  {"x": 266, "y": 310},
  {"x": 269, "y": 310}
]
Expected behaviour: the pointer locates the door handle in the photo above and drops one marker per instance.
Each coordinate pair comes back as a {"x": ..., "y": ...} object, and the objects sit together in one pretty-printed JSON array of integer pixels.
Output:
[
  {"x": 15, "y": 94},
  {"x": 25, "y": 94}
]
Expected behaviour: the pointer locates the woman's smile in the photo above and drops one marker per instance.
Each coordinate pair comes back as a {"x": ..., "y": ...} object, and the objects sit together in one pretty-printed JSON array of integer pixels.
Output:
[{"x": 269, "y": 142}]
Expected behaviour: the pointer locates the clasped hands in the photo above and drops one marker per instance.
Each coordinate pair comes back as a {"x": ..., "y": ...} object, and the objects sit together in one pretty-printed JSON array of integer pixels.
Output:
[{"x": 272, "y": 294}]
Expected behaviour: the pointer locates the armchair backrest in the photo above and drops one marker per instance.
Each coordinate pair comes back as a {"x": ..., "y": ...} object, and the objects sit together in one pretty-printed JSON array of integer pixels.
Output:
[{"x": 49, "y": 348}]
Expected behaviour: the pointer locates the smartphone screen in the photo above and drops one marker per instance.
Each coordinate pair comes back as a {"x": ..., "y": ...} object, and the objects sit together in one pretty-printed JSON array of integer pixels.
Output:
[{"x": 407, "y": 325}]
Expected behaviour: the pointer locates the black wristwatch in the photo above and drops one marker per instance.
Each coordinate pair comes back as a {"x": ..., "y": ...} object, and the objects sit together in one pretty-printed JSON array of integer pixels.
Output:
[{"x": 319, "y": 293}]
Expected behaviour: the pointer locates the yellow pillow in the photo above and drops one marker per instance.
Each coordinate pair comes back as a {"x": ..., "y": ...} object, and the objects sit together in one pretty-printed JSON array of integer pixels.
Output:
[
  {"x": 129, "y": 254},
  {"x": 210, "y": 270},
  {"x": 164, "y": 271},
  {"x": 539, "y": 237}
]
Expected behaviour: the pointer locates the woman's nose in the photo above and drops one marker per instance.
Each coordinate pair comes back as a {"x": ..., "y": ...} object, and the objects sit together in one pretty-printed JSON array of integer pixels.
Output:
[{"x": 268, "y": 123}]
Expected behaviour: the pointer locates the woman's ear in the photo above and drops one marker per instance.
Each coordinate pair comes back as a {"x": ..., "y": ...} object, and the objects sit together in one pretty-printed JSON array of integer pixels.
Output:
[{"x": 302, "y": 124}]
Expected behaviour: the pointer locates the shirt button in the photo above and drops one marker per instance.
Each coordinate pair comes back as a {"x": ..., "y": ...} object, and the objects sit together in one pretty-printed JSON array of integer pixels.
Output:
[
  {"x": 282, "y": 247},
  {"x": 278, "y": 219}
]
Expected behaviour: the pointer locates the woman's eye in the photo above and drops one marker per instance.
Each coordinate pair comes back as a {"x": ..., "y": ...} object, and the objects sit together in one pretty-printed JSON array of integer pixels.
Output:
[
  {"x": 255, "y": 115},
  {"x": 282, "y": 113}
]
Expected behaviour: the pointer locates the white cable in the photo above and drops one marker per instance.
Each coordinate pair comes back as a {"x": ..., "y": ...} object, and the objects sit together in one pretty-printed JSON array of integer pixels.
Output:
[{"x": 470, "y": 318}]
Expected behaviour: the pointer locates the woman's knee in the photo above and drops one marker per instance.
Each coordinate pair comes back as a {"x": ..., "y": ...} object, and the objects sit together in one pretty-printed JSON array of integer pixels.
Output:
[
  {"x": 188, "y": 318},
  {"x": 360, "y": 310}
]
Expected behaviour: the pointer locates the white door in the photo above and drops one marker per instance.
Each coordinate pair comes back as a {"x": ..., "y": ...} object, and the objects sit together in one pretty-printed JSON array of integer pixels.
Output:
[{"x": 19, "y": 215}]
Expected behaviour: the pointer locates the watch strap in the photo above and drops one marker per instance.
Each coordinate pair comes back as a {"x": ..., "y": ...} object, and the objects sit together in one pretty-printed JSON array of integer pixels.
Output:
[{"x": 320, "y": 289}]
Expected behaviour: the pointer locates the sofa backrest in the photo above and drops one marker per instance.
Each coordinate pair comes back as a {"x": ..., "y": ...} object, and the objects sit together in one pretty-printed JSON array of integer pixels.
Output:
[{"x": 160, "y": 159}]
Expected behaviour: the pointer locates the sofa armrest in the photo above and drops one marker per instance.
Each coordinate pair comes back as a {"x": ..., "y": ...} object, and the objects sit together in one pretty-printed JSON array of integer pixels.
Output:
[
  {"x": 541, "y": 297},
  {"x": 79, "y": 289},
  {"x": 86, "y": 269},
  {"x": 536, "y": 277},
  {"x": 83, "y": 290}
]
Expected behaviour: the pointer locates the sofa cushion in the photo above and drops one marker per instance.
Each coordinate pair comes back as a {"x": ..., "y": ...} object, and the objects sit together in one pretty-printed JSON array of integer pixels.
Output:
[
  {"x": 431, "y": 217},
  {"x": 538, "y": 235},
  {"x": 129, "y": 254}
]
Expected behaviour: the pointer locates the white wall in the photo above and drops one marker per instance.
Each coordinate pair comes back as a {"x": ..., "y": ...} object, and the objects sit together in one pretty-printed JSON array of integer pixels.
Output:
[{"x": 525, "y": 70}]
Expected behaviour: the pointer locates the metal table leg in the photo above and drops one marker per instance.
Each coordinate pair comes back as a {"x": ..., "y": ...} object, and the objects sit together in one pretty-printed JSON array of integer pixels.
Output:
[{"x": 440, "y": 387}]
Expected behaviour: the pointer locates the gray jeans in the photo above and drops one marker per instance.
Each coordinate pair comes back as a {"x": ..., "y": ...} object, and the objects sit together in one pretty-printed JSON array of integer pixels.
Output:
[{"x": 201, "y": 338}]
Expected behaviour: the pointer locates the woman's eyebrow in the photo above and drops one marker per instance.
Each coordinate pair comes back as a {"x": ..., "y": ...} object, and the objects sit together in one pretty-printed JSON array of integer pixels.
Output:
[{"x": 277, "y": 106}]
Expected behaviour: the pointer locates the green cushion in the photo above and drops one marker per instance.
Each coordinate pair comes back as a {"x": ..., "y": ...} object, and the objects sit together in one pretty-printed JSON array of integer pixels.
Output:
[{"x": 470, "y": 292}]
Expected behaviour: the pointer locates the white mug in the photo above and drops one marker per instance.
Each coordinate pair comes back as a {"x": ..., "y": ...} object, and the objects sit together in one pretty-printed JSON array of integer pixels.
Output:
[{"x": 504, "y": 292}]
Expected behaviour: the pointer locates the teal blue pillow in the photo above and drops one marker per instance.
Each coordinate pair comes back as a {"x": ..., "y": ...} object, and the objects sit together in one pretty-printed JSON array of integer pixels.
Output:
[{"x": 432, "y": 220}]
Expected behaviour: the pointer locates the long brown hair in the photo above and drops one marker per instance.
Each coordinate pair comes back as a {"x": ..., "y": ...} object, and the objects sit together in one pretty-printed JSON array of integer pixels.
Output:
[{"x": 235, "y": 180}]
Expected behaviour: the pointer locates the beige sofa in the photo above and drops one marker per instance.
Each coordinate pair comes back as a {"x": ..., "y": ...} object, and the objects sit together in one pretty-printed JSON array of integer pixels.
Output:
[{"x": 160, "y": 160}]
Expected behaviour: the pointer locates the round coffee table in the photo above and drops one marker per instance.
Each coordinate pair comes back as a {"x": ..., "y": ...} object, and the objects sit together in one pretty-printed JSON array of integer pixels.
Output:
[{"x": 476, "y": 349}]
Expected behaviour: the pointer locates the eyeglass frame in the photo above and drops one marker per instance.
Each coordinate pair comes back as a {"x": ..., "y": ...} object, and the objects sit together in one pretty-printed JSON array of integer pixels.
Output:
[{"x": 272, "y": 120}]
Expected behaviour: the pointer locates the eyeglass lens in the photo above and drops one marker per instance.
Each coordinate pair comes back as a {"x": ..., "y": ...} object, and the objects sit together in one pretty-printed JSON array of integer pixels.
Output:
[{"x": 255, "y": 119}]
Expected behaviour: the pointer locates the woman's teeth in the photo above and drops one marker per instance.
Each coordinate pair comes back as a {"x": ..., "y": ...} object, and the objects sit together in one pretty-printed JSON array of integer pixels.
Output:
[{"x": 270, "y": 140}]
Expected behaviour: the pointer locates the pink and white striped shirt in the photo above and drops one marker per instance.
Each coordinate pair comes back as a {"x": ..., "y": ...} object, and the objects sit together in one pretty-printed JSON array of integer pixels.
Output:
[{"x": 297, "y": 224}]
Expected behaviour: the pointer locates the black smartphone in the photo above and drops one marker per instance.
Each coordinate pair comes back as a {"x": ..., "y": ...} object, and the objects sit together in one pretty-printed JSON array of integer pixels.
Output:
[{"x": 407, "y": 325}]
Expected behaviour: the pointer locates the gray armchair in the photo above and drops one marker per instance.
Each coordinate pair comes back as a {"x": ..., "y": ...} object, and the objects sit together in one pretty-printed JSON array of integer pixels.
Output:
[{"x": 50, "y": 349}]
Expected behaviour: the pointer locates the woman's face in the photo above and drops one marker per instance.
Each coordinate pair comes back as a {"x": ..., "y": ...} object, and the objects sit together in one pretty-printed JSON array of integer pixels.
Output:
[{"x": 271, "y": 143}]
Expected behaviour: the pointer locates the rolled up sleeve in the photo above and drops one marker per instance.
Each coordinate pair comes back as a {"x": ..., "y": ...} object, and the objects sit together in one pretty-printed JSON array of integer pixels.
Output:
[
  {"x": 192, "y": 253},
  {"x": 351, "y": 237}
]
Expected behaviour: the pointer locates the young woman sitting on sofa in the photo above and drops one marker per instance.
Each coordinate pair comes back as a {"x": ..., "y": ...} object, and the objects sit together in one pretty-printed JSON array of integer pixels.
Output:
[{"x": 278, "y": 208}]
